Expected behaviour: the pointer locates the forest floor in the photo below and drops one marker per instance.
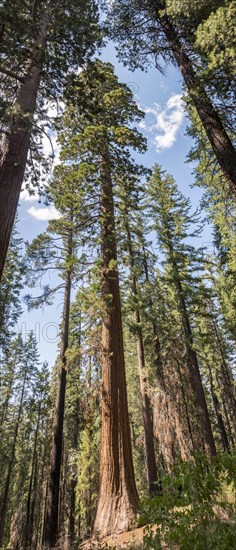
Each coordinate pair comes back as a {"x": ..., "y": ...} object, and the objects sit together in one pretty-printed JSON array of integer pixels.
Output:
[
  {"x": 133, "y": 540},
  {"x": 129, "y": 540}
]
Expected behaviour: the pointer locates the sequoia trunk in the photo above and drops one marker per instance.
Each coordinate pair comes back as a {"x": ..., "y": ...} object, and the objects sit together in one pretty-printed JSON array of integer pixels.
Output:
[{"x": 118, "y": 499}]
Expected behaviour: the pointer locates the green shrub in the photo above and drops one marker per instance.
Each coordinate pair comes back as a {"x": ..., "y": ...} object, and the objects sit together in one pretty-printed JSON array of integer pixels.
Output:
[{"x": 196, "y": 509}]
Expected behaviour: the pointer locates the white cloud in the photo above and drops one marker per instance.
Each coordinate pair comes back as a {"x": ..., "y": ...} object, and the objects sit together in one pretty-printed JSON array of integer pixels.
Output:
[
  {"x": 44, "y": 213},
  {"x": 50, "y": 149},
  {"x": 27, "y": 197},
  {"x": 167, "y": 122}
]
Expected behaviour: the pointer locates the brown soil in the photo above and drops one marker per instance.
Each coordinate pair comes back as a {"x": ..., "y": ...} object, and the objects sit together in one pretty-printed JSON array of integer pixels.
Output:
[{"x": 130, "y": 539}]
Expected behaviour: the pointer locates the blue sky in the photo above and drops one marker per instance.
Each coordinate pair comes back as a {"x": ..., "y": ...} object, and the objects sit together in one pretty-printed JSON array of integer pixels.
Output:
[{"x": 165, "y": 129}]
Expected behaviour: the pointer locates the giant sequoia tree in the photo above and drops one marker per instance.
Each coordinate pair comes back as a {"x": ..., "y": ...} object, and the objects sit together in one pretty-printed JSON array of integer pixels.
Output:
[
  {"x": 157, "y": 29},
  {"x": 161, "y": 305},
  {"x": 40, "y": 42},
  {"x": 96, "y": 131}
]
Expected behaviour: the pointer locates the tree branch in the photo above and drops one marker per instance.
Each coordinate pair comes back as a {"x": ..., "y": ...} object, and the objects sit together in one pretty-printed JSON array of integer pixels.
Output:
[{"x": 11, "y": 74}]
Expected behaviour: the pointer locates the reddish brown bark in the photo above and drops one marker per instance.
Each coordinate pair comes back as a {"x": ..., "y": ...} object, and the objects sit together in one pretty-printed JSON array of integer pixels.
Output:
[
  {"x": 15, "y": 143},
  {"x": 118, "y": 499},
  {"x": 185, "y": 402}
]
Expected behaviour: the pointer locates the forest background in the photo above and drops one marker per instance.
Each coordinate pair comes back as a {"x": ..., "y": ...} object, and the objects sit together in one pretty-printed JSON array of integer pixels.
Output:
[{"x": 123, "y": 251}]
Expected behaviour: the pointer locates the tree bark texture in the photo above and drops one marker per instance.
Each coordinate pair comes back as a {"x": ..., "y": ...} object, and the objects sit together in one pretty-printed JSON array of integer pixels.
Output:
[
  {"x": 221, "y": 426},
  {"x": 31, "y": 494},
  {"x": 226, "y": 379},
  {"x": 216, "y": 133},
  {"x": 146, "y": 404},
  {"x": 52, "y": 510},
  {"x": 118, "y": 499},
  {"x": 15, "y": 143},
  {"x": 3, "y": 512},
  {"x": 156, "y": 339},
  {"x": 192, "y": 361}
]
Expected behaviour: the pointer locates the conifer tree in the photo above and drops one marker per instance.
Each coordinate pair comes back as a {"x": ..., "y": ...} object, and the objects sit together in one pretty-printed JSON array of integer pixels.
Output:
[
  {"x": 96, "y": 131},
  {"x": 215, "y": 352},
  {"x": 172, "y": 220},
  {"x": 40, "y": 414},
  {"x": 82, "y": 417},
  {"x": 41, "y": 42},
  {"x": 165, "y": 363},
  {"x": 24, "y": 379},
  {"x": 220, "y": 211},
  {"x": 128, "y": 203},
  {"x": 57, "y": 250},
  {"x": 153, "y": 28},
  {"x": 11, "y": 286},
  {"x": 88, "y": 471}
]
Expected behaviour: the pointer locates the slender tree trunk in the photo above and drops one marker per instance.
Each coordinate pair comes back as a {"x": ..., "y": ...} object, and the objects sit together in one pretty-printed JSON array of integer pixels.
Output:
[
  {"x": 52, "y": 511},
  {"x": 146, "y": 405},
  {"x": 227, "y": 378},
  {"x": 74, "y": 477},
  {"x": 118, "y": 499},
  {"x": 72, "y": 529},
  {"x": 15, "y": 143},
  {"x": 11, "y": 464},
  {"x": 42, "y": 534},
  {"x": 62, "y": 509},
  {"x": 193, "y": 367},
  {"x": 229, "y": 427},
  {"x": 42, "y": 480},
  {"x": 72, "y": 510},
  {"x": 29, "y": 515},
  {"x": 219, "y": 140},
  {"x": 156, "y": 339},
  {"x": 89, "y": 511},
  {"x": 34, "y": 524},
  {"x": 153, "y": 486},
  {"x": 4, "y": 408},
  {"x": 219, "y": 417}
]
